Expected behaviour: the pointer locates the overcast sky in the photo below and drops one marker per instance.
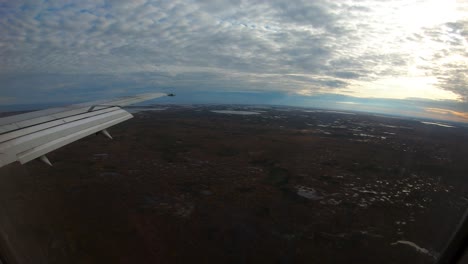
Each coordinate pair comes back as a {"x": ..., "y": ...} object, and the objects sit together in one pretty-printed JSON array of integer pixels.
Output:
[{"x": 63, "y": 51}]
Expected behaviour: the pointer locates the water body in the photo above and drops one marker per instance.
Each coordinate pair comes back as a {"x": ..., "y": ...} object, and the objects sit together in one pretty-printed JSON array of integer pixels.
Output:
[
  {"x": 233, "y": 112},
  {"x": 329, "y": 111},
  {"x": 307, "y": 192},
  {"x": 140, "y": 109},
  {"x": 436, "y": 124}
]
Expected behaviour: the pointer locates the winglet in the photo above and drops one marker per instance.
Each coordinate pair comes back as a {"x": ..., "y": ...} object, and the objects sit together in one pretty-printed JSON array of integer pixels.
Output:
[
  {"x": 44, "y": 159},
  {"x": 106, "y": 133}
]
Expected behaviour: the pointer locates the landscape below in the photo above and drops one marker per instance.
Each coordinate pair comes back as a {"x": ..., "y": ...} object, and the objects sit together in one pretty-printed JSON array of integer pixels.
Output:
[{"x": 234, "y": 184}]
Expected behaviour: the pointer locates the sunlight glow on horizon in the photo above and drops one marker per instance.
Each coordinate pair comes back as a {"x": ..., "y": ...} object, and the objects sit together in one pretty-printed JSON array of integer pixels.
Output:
[{"x": 403, "y": 88}]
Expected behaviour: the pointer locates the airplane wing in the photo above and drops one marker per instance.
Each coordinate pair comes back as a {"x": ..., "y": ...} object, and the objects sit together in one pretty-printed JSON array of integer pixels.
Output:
[{"x": 29, "y": 136}]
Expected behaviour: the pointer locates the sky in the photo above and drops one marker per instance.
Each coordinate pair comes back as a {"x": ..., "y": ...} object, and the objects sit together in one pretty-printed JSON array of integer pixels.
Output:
[{"x": 403, "y": 57}]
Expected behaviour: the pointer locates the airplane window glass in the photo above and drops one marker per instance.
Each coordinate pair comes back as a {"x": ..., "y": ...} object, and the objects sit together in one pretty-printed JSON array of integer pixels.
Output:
[{"x": 233, "y": 131}]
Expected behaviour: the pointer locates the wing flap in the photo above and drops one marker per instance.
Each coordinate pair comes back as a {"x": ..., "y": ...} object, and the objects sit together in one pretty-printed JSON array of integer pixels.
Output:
[
  {"x": 16, "y": 122},
  {"x": 29, "y": 136},
  {"x": 28, "y": 130},
  {"x": 25, "y": 147},
  {"x": 43, "y": 149}
]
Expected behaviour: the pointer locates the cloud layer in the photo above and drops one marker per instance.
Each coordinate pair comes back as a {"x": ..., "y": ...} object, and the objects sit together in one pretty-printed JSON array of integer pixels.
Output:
[{"x": 362, "y": 48}]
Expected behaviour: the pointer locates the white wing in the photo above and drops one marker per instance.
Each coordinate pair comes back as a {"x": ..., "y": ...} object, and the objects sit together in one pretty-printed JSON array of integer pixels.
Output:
[{"x": 31, "y": 135}]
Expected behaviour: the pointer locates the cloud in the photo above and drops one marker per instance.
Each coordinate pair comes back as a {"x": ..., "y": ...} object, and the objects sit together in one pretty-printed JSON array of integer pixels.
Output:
[
  {"x": 447, "y": 112},
  {"x": 53, "y": 48},
  {"x": 7, "y": 100},
  {"x": 449, "y": 63}
]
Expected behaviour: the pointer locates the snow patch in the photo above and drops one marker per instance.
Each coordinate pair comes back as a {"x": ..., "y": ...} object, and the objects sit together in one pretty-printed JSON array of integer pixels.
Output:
[{"x": 416, "y": 247}]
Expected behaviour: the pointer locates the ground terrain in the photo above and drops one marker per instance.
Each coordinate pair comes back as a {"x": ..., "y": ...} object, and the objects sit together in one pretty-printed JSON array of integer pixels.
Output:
[{"x": 184, "y": 184}]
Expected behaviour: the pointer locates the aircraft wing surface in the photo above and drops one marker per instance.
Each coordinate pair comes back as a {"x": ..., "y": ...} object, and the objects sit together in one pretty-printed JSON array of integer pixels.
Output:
[{"x": 28, "y": 136}]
